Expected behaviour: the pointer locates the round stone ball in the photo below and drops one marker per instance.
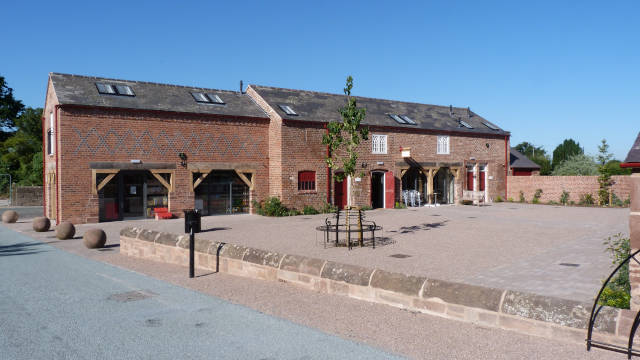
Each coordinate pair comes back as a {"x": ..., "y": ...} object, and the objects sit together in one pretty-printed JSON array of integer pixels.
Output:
[
  {"x": 9, "y": 216},
  {"x": 41, "y": 224},
  {"x": 65, "y": 231},
  {"x": 94, "y": 238}
]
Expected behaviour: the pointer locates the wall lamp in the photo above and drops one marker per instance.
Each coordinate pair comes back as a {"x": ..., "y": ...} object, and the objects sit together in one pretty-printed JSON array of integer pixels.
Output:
[{"x": 183, "y": 159}]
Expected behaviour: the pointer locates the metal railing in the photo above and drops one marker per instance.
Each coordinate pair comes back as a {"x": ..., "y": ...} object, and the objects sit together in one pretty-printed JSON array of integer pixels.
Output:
[{"x": 595, "y": 312}]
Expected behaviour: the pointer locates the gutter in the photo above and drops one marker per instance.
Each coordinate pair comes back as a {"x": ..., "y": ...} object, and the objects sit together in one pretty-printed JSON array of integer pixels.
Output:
[
  {"x": 630, "y": 165},
  {"x": 44, "y": 185},
  {"x": 506, "y": 165},
  {"x": 57, "y": 155}
]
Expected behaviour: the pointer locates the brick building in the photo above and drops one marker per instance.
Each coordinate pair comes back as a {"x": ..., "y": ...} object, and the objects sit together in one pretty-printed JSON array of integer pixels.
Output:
[
  {"x": 521, "y": 165},
  {"x": 117, "y": 149}
]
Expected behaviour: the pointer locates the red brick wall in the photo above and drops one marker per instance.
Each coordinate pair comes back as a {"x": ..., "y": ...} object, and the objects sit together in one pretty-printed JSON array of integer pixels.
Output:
[
  {"x": 552, "y": 187},
  {"x": 121, "y": 135}
]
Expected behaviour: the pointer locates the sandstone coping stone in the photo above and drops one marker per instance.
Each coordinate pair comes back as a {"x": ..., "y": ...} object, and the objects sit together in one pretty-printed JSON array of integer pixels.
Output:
[
  {"x": 302, "y": 264},
  {"x": 183, "y": 241},
  {"x": 233, "y": 251},
  {"x": 396, "y": 282},
  {"x": 350, "y": 274},
  {"x": 167, "y": 239},
  {"x": 202, "y": 245},
  {"x": 563, "y": 312},
  {"x": 148, "y": 235},
  {"x": 130, "y": 232},
  {"x": 463, "y": 294},
  {"x": 262, "y": 257},
  {"x": 215, "y": 247}
]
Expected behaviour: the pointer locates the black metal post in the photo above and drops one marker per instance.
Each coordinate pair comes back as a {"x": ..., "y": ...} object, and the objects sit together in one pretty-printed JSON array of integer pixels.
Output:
[{"x": 192, "y": 242}]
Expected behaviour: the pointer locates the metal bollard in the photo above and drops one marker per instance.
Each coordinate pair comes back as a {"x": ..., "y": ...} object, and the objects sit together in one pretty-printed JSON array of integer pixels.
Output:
[{"x": 192, "y": 242}]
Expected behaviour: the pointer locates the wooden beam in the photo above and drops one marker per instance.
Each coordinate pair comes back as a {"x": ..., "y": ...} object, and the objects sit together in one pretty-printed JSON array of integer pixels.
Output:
[
  {"x": 245, "y": 179},
  {"x": 105, "y": 181},
  {"x": 199, "y": 180},
  {"x": 162, "y": 181}
]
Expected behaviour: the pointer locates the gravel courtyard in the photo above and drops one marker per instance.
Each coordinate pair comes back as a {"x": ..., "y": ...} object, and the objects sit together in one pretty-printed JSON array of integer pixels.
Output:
[{"x": 550, "y": 250}]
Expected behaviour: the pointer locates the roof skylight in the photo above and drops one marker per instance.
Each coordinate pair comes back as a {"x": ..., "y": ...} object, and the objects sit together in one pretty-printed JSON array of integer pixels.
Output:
[
  {"x": 215, "y": 99},
  {"x": 288, "y": 110},
  {"x": 115, "y": 89},
  {"x": 200, "y": 97},
  {"x": 491, "y": 126},
  {"x": 407, "y": 119},
  {"x": 465, "y": 124},
  {"x": 106, "y": 88},
  {"x": 398, "y": 119}
]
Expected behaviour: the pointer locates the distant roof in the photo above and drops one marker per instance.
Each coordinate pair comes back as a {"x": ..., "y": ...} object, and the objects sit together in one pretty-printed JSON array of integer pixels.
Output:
[
  {"x": 519, "y": 161},
  {"x": 634, "y": 153},
  {"x": 82, "y": 90},
  {"x": 323, "y": 107}
]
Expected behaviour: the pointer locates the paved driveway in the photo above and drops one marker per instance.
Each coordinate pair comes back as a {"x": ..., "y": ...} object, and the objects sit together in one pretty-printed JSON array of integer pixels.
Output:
[
  {"x": 56, "y": 305},
  {"x": 508, "y": 245}
]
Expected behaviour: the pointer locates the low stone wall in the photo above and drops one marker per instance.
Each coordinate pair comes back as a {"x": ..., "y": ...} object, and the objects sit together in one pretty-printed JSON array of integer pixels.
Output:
[
  {"x": 523, "y": 312},
  {"x": 552, "y": 187},
  {"x": 27, "y": 196}
]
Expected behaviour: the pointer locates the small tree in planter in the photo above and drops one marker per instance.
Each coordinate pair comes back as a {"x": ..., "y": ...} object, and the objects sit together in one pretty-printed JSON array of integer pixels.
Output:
[{"x": 343, "y": 139}]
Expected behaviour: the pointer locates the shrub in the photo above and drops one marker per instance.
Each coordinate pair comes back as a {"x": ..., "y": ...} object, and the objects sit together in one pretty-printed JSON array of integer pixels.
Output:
[
  {"x": 617, "y": 293},
  {"x": 552, "y": 202},
  {"x": 510, "y": 199},
  {"x": 536, "y": 196},
  {"x": 564, "y": 198},
  {"x": 400, "y": 205},
  {"x": 271, "y": 207},
  {"x": 522, "y": 197},
  {"x": 328, "y": 208},
  {"x": 366, "y": 208},
  {"x": 309, "y": 210},
  {"x": 586, "y": 199},
  {"x": 292, "y": 212},
  {"x": 627, "y": 202},
  {"x": 498, "y": 199}
]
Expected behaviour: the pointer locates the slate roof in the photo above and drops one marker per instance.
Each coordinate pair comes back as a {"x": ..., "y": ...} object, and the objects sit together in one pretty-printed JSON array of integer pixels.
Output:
[
  {"x": 323, "y": 107},
  {"x": 519, "y": 161},
  {"x": 81, "y": 90},
  {"x": 634, "y": 153}
]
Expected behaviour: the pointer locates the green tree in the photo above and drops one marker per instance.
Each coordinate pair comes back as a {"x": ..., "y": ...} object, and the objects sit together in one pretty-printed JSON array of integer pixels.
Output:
[
  {"x": 579, "y": 164},
  {"x": 564, "y": 151},
  {"x": 21, "y": 153},
  {"x": 10, "y": 108},
  {"x": 613, "y": 167},
  {"x": 344, "y": 137},
  {"x": 604, "y": 180},
  {"x": 537, "y": 154}
]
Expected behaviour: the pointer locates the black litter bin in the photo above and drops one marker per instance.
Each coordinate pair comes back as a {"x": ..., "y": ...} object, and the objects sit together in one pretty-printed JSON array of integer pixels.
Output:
[{"x": 192, "y": 217}]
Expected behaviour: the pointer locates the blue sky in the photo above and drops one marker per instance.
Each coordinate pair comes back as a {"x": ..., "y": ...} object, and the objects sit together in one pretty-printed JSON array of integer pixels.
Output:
[{"x": 545, "y": 71}]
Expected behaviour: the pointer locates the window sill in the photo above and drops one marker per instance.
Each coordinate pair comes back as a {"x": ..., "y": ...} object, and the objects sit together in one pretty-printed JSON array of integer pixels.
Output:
[{"x": 307, "y": 191}]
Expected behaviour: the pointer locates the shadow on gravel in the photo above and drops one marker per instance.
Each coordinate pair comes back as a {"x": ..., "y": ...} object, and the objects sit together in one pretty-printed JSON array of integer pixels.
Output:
[
  {"x": 422, "y": 227},
  {"x": 24, "y": 248},
  {"x": 215, "y": 229}
]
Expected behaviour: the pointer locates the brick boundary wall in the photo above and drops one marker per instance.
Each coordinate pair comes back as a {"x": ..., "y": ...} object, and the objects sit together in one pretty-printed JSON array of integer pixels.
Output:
[
  {"x": 512, "y": 310},
  {"x": 27, "y": 196},
  {"x": 552, "y": 187}
]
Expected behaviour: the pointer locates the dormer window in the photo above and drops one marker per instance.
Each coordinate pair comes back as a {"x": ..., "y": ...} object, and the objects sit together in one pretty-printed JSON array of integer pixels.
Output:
[
  {"x": 288, "y": 110},
  {"x": 207, "y": 98},
  {"x": 115, "y": 89}
]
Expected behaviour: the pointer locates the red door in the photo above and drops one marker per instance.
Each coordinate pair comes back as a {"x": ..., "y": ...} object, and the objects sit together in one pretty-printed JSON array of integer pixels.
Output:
[
  {"x": 482, "y": 179},
  {"x": 389, "y": 189},
  {"x": 340, "y": 193},
  {"x": 470, "y": 179}
]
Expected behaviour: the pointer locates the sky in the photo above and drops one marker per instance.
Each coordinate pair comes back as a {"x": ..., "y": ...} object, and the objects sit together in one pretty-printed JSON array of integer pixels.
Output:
[{"x": 543, "y": 70}]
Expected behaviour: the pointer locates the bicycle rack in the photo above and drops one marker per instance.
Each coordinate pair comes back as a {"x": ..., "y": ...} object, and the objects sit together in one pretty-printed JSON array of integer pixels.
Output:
[{"x": 594, "y": 314}]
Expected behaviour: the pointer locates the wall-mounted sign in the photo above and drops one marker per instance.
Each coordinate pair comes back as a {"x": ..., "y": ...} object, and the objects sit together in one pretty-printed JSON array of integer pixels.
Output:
[{"x": 406, "y": 153}]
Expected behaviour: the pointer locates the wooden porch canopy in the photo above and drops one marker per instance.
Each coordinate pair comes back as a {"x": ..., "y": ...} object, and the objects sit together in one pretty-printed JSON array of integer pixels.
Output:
[
  {"x": 113, "y": 168},
  {"x": 246, "y": 172}
]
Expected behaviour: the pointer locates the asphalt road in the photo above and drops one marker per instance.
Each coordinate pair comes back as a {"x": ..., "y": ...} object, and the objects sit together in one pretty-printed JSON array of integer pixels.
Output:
[{"x": 56, "y": 305}]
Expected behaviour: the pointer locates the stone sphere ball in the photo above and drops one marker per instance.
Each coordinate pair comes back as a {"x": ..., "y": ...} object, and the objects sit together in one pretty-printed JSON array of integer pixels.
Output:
[
  {"x": 94, "y": 238},
  {"x": 41, "y": 224},
  {"x": 9, "y": 216},
  {"x": 65, "y": 230}
]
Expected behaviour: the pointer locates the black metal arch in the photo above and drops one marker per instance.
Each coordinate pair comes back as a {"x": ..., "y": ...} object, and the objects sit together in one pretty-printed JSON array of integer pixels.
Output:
[{"x": 594, "y": 314}]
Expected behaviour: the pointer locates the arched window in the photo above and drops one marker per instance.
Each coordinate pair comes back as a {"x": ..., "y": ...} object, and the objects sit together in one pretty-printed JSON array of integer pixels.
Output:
[{"x": 306, "y": 180}]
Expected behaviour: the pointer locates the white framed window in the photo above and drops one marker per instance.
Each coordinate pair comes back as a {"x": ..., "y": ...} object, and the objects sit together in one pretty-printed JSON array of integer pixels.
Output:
[
  {"x": 443, "y": 144},
  {"x": 51, "y": 143},
  {"x": 378, "y": 144}
]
